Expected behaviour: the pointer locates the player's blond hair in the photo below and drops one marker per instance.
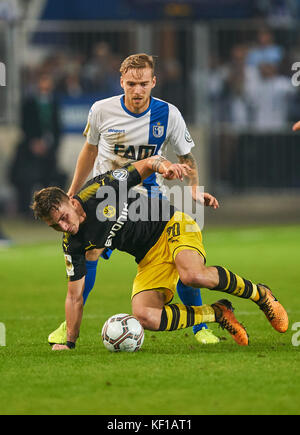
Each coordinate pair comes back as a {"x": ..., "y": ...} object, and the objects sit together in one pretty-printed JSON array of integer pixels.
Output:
[
  {"x": 137, "y": 61},
  {"x": 47, "y": 200}
]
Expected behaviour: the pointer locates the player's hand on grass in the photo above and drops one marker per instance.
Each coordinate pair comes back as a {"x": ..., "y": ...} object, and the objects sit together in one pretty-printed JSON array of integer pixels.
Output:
[
  {"x": 60, "y": 347},
  {"x": 176, "y": 171},
  {"x": 296, "y": 126}
]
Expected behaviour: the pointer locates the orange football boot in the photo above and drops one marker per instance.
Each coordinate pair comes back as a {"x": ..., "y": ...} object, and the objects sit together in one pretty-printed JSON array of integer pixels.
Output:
[
  {"x": 226, "y": 319},
  {"x": 273, "y": 309}
]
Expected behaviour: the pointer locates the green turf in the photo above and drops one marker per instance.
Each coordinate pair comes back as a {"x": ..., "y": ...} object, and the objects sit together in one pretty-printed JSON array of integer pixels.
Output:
[{"x": 172, "y": 374}]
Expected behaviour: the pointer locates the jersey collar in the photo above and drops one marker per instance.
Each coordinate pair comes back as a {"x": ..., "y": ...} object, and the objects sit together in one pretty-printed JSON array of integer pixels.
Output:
[
  {"x": 136, "y": 115},
  {"x": 80, "y": 202}
]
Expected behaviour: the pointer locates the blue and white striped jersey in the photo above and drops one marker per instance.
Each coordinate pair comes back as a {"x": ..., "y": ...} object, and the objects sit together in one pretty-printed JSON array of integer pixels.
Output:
[{"x": 123, "y": 137}]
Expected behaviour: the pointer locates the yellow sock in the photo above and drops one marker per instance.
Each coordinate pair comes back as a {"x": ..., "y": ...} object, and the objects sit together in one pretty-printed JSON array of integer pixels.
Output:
[
  {"x": 179, "y": 316},
  {"x": 233, "y": 284}
]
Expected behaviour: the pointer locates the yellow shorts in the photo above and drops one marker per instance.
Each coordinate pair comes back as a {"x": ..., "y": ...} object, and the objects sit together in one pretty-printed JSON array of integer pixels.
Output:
[{"x": 157, "y": 269}]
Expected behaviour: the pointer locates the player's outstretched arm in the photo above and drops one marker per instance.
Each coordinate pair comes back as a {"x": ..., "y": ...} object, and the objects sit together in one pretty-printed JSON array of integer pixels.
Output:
[
  {"x": 84, "y": 165},
  {"x": 74, "y": 310},
  {"x": 204, "y": 198},
  {"x": 169, "y": 170}
]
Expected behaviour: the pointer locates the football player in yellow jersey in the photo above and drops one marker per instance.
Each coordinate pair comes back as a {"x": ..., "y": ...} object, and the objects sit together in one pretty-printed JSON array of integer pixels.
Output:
[
  {"x": 170, "y": 249},
  {"x": 126, "y": 128}
]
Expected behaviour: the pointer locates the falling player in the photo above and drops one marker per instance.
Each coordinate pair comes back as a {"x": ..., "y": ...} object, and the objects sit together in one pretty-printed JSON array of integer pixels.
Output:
[
  {"x": 127, "y": 128},
  {"x": 164, "y": 249}
]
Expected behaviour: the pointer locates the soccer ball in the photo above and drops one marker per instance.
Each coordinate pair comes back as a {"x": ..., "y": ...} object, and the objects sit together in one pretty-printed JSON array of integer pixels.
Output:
[{"x": 122, "y": 333}]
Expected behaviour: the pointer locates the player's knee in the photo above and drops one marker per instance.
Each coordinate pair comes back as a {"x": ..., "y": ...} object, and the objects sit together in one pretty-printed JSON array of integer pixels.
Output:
[
  {"x": 192, "y": 278},
  {"x": 145, "y": 316},
  {"x": 92, "y": 255},
  {"x": 198, "y": 278}
]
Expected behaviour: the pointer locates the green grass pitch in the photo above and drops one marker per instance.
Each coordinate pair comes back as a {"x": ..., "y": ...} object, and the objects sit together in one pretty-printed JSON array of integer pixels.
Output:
[{"x": 172, "y": 374}]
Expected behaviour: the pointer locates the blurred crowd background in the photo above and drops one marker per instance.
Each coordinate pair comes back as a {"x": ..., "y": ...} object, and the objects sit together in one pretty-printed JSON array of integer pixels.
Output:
[{"x": 227, "y": 65}]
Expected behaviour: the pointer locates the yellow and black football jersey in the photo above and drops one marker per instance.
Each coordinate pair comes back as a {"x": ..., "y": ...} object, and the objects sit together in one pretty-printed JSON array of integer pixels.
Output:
[{"x": 117, "y": 217}]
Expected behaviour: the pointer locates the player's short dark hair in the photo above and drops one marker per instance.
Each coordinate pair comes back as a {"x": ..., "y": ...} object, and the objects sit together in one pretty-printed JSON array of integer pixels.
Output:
[
  {"x": 46, "y": 200},
  {"x": 138, "y": 61}
]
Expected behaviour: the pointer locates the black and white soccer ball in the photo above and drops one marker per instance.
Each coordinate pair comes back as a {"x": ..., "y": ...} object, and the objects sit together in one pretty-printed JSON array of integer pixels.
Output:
[{"x": 122, "y": 333}]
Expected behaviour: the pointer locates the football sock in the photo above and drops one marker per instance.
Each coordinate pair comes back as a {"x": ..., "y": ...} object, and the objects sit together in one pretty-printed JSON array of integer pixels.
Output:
[
  {"x": 179, "y": 316},
  {"x": 106, "y": 253},
  {"x": 90, "y": 278},
  {"x": 91, "y": 270},
  {"x": 190, "y": 296},
  {"x": 231, "y": 283}
]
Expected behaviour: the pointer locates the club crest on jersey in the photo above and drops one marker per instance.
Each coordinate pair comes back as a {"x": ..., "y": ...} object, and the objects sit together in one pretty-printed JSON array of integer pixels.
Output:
[
  {"x": 109, "y": 211},
  {"x": 120, "y": 174},
  {"x": 158, "y": 130}
]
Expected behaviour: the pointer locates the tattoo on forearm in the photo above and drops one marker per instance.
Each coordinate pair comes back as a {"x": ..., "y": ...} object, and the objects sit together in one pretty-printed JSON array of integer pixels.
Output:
[
  {"x": 189, "y": 160},
  {"x": 158, "y": 162}
]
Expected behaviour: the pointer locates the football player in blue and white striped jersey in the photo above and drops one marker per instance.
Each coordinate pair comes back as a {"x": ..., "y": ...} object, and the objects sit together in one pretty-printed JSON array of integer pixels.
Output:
[{"x": 126, "y": 128}]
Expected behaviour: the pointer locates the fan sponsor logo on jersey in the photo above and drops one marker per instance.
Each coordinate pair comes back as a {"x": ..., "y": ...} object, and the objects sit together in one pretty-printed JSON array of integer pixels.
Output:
[{"x": 158, "y": 130}]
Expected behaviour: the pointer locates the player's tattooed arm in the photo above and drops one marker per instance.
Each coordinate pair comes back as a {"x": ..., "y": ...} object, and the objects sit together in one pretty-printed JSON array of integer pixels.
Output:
[
  {"x": 203, "y": 197},
  {"x": 159, "y": 162},
  {"x": 168, "y": 170},
  {"x": 190, "y": 160}
]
